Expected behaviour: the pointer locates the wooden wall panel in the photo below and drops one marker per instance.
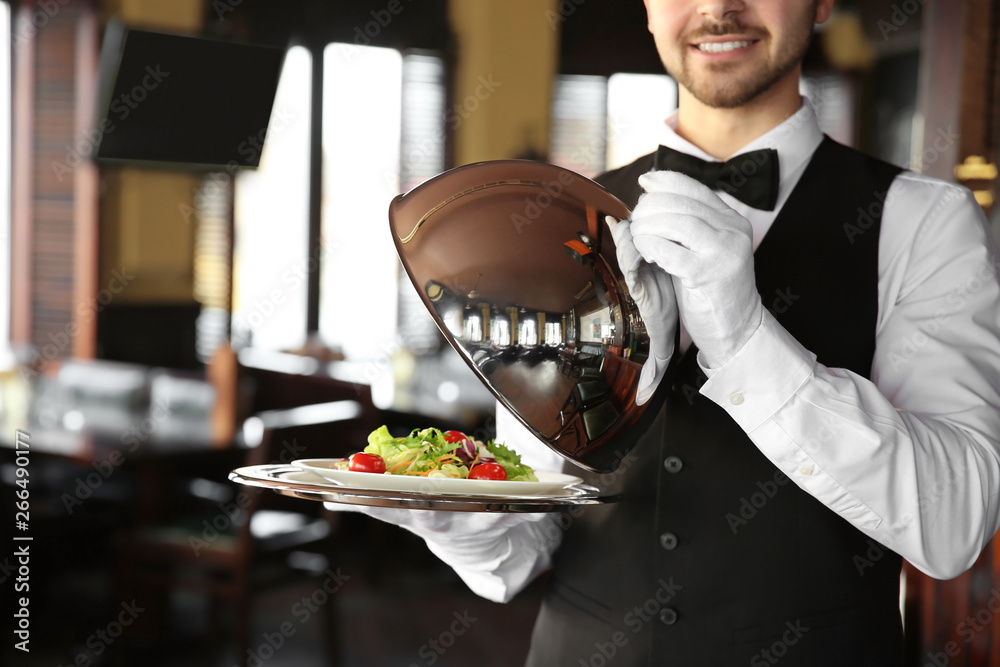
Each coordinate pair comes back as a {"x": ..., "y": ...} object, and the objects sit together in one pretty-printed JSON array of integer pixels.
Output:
[
  {"x": 54, "y": 185},
  {"x": 52, "y": 173},
  {"x": 22, "y": 185}
]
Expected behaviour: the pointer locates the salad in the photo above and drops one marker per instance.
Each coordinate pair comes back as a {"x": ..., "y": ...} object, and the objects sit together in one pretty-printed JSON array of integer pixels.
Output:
[{"x": 431, "y": 452}]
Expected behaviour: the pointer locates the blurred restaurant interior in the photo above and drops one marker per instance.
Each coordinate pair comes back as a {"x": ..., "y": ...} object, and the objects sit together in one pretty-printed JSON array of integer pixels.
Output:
[{"x": 210, "y": 294}]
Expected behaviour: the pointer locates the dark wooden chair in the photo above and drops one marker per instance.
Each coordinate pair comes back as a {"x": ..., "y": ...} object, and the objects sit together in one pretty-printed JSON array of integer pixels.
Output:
[
  {"x": 587, "y": 424},
  {"x": 232, "y": 551},
  {"x": 582, "y": 396}
]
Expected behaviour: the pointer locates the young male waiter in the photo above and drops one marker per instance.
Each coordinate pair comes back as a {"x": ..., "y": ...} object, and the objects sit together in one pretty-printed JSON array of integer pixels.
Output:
[{"x": 833, "y": 403}]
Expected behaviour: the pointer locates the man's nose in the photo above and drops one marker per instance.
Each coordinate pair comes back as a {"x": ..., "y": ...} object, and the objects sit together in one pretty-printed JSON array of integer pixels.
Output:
[{"x": 721, "y": 10}]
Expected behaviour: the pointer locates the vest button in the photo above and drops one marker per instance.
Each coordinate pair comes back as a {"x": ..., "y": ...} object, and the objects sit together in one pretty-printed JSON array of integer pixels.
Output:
[
  {"x": 668, "y": 541},
  {"x": 673, "y": 464},
  {"x": 668, "y": 616}
]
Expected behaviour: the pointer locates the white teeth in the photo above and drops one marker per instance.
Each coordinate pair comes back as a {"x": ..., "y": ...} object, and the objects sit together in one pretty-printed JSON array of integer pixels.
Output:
[{"x": 719, "y": 47}]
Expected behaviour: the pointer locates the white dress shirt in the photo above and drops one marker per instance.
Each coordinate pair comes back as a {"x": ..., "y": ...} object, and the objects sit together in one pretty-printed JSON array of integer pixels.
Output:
[{"x": 912, "y": 457}]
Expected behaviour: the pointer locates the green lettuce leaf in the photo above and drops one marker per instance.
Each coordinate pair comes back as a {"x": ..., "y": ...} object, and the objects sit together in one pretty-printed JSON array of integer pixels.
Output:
[{"x": 511, "y": 462}]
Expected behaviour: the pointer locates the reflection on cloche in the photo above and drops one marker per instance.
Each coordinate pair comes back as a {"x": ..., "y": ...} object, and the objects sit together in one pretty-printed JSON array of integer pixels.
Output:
[{"x": 514, "y": 263}]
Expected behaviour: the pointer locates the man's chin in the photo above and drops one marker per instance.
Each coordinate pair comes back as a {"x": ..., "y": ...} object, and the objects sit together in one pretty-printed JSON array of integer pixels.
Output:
[
  {"x": 728, "y": 85},
  {"x": 725, "y": 96}
]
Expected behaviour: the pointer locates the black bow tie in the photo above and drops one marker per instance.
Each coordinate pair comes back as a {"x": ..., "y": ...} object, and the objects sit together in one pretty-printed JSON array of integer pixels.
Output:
[{"x": 750, "y": 177}]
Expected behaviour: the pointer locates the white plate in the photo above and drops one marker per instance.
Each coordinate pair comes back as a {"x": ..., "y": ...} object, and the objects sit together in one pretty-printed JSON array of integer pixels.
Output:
[
  {"x": 294, "y": 482},
  {"x": 548, "y": 482}
]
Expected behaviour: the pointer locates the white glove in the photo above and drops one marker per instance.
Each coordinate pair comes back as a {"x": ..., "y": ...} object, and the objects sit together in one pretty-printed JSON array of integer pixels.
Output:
[
  {"x": 683, "y": 227},
  {"x": 653, "y": 293},
  {"x": 496, "y": 554}
]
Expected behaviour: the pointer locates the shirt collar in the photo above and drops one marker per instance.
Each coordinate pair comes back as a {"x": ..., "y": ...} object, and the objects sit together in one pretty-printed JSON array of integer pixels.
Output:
[{"x": 795, "y": 139}]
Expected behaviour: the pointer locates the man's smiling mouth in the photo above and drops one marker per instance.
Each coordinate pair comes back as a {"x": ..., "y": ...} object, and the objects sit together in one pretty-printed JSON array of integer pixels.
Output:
[{"x": 721, "y": 47}]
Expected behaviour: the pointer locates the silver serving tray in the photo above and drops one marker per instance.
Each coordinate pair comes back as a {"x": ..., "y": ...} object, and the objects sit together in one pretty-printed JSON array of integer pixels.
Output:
[{"x": 291, "y": 481}]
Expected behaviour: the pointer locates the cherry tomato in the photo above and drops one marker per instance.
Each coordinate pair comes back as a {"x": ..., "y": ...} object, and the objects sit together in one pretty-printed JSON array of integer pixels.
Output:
[
  {"x": 466, "y": 449},
  {"x": 488, "y": 471},
  {"x": 362, "y": 462}
]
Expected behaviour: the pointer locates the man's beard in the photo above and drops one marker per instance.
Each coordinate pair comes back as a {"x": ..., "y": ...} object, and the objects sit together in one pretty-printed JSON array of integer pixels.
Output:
[{"x": 735, "y": 91}]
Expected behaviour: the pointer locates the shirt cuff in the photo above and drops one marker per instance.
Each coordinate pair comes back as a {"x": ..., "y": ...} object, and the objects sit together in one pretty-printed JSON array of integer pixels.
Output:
[
  {"x": 504, "y": 569},
  {"x": 483, "y": 578},
  {"x": 761, "y": 377},
  {"x": 653, "y": 370}
]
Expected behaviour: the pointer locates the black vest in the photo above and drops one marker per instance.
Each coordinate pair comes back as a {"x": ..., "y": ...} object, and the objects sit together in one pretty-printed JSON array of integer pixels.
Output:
[{"x": 714, "y": 557}]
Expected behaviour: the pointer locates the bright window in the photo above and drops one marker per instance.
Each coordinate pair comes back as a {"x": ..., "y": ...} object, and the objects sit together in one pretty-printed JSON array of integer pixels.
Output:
[
  {"x": 422, "y": 156},
  {"x": 602, "y": 123},
  {"x": 833, "y": 100},
  {"x": 362, "y": 103},
  {"x": 372, "y": 151},
  {"x": 579, "y": 118},
  {"x": 637, "y": 106},
  {"x": 270, "y": 262}
]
